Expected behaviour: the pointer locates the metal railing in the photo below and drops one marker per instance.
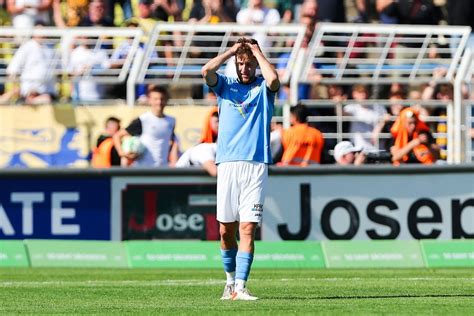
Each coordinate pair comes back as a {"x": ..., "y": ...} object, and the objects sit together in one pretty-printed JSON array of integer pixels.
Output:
[
  {"x": 118, "y": 46},
  {"x": 175, "y": 53}
]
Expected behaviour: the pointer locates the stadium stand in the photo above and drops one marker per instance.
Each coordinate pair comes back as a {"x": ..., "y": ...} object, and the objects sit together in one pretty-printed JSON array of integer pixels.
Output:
[{"x": 310, "y": 62}]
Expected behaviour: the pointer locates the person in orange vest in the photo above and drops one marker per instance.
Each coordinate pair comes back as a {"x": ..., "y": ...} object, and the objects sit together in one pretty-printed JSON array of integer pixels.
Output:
[
  {"x": 105, "y": 155},
  {"x": 209, "y": 130},
  {"x": 412, "y": 140},
  {"x": 302, "y": 144}
]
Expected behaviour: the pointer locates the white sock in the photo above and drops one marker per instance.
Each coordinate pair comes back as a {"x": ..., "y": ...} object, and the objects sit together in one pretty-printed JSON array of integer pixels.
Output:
[
  {"x": 239, "y": 285},
  {"x": 230, "y": 278}
]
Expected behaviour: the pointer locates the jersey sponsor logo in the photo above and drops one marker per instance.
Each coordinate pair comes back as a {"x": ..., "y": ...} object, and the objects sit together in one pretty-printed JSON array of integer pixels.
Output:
[{"x": 257, "y": 208}]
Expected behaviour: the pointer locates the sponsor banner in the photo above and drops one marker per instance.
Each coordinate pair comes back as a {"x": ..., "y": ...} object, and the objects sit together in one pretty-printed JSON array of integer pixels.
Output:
[
  {"x": 75, "y": 253},
  {"x": 196, "y": 254},
  {"x": 369, "y": 206},
  {"x": 456, "y": 253},
  {"x": 373, "y": 254},
  {"x": 173, "y": 254},
  {"x": 157, "y": 208},
  {"x": 64, "y": 135},
  {"x": 40, "y": 208},
  {"x": 13, "y": 254},
  {"x": 288, "y": 254}
]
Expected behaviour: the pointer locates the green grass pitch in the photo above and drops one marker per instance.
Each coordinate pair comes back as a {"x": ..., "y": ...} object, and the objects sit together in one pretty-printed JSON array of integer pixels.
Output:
[{"x": 197, "y": 291}]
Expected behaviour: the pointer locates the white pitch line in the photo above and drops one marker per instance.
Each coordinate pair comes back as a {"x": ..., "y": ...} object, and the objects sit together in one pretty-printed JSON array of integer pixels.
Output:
[
  {"x": 111, "y": 283},
  {"x": 194, "y": 282}
]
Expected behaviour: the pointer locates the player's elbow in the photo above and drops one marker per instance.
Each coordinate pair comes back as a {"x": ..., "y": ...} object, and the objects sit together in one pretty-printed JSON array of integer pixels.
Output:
[
  {"x": 204, "y": 71},
  {"x": 274, "y": 83}
]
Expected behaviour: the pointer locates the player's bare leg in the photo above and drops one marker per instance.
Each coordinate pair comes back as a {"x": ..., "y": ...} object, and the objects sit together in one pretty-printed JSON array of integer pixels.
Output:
[
  {"x": 244, "y": 261},
  {"x": 228, "y": 232}
]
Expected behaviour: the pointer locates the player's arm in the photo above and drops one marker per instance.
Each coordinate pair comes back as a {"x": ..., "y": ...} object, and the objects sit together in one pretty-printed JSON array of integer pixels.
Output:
[
  {"x": 209, "y": 70},
  {"x": 174, "y": 154},
  {"x": 268, "y": 71},
  {"x": 133, "y": 129},
  {"x": 210, "y": 167}
]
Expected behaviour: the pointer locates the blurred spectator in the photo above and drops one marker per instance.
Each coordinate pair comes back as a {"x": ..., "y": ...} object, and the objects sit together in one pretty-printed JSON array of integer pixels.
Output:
[
  {"x": 304, "y": 89},
  {"x": 413, "y": 12},
  {"x": 202, "y": 155},
  {"x": 4, "y": 15},
  {"x": 331, "y": 11},
  {"x": 287, "y": 9},
  {"x": 33, "y": 62},
  {"x": 125, "y": 5},
  {"x": 117, "y": 59},
  {"x": 105, "y": 155},
  {"x": 345, "y": 153},
  {"x": 258, "y": 13},
  {"x": 440, "y": 92},
  {"x": 69, "y": 12},
  {"x": 84, "y": 60},
  {"x": 365, "y": 117},
  {"x": 213, "y": 11},
  {"x": 385, "y": 124},
  {"x": 96, "y": 15},
  {"x": 461, "y": 12},
  {"x": 147, "y": 22},
  {"x": 145, "y": 15},
  {"x": 309, "y": 8},
  {"x": 412, "y": 140},
  {"x": 210, "y": 12},
  {"x": 166, "y": 10},
  {"x": 302, "y": 144},
  {"x": 211, "y": 125},
  {"x": 156, "y": 132},
  {"x": 25, "y": 13}
]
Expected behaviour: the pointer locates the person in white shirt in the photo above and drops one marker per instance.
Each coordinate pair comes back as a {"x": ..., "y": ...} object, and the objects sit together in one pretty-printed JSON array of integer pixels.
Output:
[
  {"x": 25, "y": 12},
  {"x": 34, "y": 63},
  {"x": 202, "y": 155},
  {"x": 365, "y": 117},
  {"x": 156, "y": 133},
  {"x": 82, "y": 62}
]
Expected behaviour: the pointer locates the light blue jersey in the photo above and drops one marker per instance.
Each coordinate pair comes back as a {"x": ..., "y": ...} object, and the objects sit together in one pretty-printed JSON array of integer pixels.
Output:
[{"x": 245, "y": 113}]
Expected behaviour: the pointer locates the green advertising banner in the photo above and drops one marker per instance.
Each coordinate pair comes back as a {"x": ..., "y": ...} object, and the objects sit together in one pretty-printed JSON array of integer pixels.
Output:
[
  {"x": 13, "y": 254},
  {"x": 452, "y": 253},
  {"x": 173, "y": 254},
  {"x": 288, "y": 254},
  {"x": 75, "y": 253},
  {"x": 202, "y": 254},
  {"x": 373, "y": 254}
]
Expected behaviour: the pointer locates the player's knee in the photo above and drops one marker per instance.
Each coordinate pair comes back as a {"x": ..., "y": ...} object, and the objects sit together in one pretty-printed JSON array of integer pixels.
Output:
[{"x": 226, "y": 233}]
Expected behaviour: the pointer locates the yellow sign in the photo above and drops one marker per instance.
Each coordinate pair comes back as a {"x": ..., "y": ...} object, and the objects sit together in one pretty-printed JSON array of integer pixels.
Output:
[{"x": 42, "y": 136}]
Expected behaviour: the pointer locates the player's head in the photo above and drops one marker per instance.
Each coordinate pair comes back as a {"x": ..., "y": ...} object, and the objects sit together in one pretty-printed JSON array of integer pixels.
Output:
[
  {"x": 157, "y": 98},
  {"x": 298, "y": 114},
  {"x": 245, "y": 61},
  {"x": 112, "y": 125}
]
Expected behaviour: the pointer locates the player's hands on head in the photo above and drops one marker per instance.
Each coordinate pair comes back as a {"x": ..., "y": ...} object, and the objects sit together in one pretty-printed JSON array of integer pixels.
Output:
[{"x": 235, "y": 47}]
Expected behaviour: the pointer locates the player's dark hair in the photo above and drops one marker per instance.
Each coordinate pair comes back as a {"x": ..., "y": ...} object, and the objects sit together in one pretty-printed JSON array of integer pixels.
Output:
[
  {"x": 300, "y": 111},
  {"x": 158, "y": 89},
  {"x": 245, "y": 49}
]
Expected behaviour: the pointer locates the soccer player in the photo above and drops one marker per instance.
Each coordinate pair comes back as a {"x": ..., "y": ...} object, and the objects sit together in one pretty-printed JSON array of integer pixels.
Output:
[{"x": 243, "y": 154}]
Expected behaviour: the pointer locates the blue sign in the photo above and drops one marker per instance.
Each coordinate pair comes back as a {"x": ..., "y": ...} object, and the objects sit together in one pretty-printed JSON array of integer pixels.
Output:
[{"x": 55, "y": 209}]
